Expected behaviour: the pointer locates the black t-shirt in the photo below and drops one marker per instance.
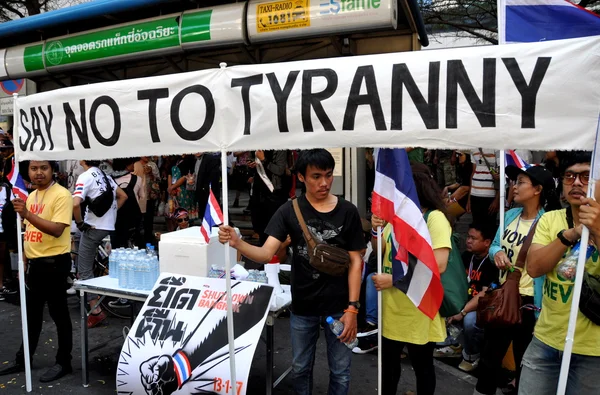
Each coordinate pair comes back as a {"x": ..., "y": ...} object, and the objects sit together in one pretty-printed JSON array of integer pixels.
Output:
[
  {"x": 313, "y": 292},
  {"x": 483, "y": 272}
]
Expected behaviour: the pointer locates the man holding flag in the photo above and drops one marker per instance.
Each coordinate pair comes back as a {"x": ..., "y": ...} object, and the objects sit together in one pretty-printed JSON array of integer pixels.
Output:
[
  {"x": 47, "y": 216},
  {"x": 557, "y": 233},
  {"x": 315, "y": 294}
]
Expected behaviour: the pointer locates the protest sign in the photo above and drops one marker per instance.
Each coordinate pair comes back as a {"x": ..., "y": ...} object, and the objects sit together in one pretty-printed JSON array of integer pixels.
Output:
[
  {"x": 528, "y": 96},
  {"x": 178, "y": 342}
]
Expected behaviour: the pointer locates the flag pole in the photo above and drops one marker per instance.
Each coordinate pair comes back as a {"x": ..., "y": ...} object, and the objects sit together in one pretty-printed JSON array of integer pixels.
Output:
[
  {"x": 585, "y": 235},
  {"x": 22, "y": 296},
  {"x": 379, "y": 312},
  {"x": 501, "y": 21},
  {"x": 230, "y": 334},
  {"x": 502, "y": 191}
]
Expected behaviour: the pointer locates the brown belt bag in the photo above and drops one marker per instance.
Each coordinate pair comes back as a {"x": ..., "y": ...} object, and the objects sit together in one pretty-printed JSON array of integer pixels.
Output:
[
  {"x": 501, "y": 307},
  {"x": 322, "y": 256}
]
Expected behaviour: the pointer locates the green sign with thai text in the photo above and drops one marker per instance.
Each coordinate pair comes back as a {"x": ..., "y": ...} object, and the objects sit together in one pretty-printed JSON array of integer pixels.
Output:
[
  {"x": 33, "y": 58},
  {"x": 139, "y": 37},
  {"x": 195, "y": 27}
]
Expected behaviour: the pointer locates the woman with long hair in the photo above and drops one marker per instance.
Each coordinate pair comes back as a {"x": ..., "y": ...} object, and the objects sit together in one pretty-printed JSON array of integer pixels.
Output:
[
  {"x": 403, "y": 323},
  {"x": 535, "y": 192}
]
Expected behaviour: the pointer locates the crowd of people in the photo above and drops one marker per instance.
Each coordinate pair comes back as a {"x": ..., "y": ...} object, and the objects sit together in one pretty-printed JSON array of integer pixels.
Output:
[{"x": 74, "y": 205}]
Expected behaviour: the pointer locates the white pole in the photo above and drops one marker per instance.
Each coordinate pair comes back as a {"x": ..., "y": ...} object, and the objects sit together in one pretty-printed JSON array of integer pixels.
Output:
[
  {"x": 502, "y": 188},
  {"x": 347, "y": 175},
  {"x": 230, "y": 334},
  {"x": 21, "y": 264},
  {"x": 583, "y": 242},
  {"x": 354, "y": 160},
  {"x": 379, "y": 314},
  {"x": 501, "y": 22}
]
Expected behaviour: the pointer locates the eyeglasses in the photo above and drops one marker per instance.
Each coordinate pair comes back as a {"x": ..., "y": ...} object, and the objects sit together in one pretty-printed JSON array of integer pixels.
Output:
[
  {"x": 184, "y": 219},
  {"x": 519, "y": 183},
  {"x": 570, "y": 177}
]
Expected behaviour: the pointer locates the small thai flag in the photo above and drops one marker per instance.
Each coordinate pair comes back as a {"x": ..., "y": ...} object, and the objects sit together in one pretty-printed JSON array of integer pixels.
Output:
[
  {"x": 512, "y": 159},
  {"x": 18, "y": 185},
  {"x": 212, "y": 217}
]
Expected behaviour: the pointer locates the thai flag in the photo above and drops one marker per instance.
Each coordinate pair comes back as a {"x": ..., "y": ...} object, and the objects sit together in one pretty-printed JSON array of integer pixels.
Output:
[
  {"x": 18, "y": 185},
  {"x": 212, "y": 217},
  {"x": 515, "y": 160},
  {"x": 543, "y": 20},
  {"x": 415, "y": 270}
]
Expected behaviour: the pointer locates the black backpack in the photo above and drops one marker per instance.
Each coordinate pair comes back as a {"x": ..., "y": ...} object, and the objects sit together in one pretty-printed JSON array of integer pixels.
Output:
[
  {"x": 102, "y": 203},
  {"x": 129, "y": 214}
]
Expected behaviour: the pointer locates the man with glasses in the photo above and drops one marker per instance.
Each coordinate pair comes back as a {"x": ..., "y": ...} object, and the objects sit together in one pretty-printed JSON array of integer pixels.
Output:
[
  {"x": 557, "y": 233},
  {"x": 182, "y": 217}
]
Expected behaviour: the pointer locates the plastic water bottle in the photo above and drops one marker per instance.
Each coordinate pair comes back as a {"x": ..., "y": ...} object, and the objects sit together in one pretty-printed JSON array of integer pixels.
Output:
[
  {"x": 112, "y": 264},
  {"x": 567, "y": 269},
  {"x": 156, "y": 266},
  {"x": 123, "y": 276},
  {"x": 131, "y": 279},
  {"x": 337, "y": 328}
]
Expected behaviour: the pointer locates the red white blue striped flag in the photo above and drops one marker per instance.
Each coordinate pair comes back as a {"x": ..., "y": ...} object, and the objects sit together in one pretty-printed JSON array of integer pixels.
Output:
[
  {"x": 415, "y": 270},
  {"x": 512, "y": 158},
  {"x": 213, "y": 216},
  {"x": 18, "y": 185}
]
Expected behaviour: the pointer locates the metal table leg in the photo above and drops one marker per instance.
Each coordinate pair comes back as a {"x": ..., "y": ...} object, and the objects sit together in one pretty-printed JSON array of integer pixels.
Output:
[
  {"x": 84, "y": 340},
  {"x": 269, "y": 354}
]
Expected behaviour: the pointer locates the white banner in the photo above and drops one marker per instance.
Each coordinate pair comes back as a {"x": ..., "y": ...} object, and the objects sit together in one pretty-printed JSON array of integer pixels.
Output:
[
  {"x": 178, "y": 342},
  {"x": 533, "y": 96}
]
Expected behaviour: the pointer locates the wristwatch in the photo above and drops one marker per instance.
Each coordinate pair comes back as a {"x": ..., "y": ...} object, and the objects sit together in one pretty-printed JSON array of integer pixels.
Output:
[
  {"x": 564, "y": 240},
  {"x": 355, "y": 304},
  {"x": 462, "y": 312}
]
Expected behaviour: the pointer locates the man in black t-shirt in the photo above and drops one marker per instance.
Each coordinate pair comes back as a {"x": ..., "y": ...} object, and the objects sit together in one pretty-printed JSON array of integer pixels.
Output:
[
  {"x": 315, "y": 295},
  {"x": 481, "y": 273}
]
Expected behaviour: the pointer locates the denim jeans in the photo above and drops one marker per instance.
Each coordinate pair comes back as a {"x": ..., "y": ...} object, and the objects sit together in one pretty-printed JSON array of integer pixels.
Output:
[
  {"x": 541, "y": 369},
  {"x": 473, "y": 337},
  {"x": 371, "y": 299},
  {"x": 305, "y": 333}
]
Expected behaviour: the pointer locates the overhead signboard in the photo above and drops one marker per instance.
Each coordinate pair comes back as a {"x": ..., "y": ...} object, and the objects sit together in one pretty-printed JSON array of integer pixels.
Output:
[
  {"x": 205, "y": 27},
  {"x": 269, "y": 20}
]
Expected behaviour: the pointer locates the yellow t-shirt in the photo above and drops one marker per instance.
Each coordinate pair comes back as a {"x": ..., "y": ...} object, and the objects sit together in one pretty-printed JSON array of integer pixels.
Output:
[
  {"x": 53, "y": 204},
  {"x": 552, "y": 325},
  {"x": 511, "y": 245},
  {"x": 402, "y": 320}
]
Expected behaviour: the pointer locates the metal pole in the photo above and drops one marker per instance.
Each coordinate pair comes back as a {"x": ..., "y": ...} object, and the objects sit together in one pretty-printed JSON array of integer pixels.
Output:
[
  {"x": 502, "y": 188},
  {"x": 230, "y": 334},
  {"x": 379, "y": 314},
  {"x": 23, "y": 297}
]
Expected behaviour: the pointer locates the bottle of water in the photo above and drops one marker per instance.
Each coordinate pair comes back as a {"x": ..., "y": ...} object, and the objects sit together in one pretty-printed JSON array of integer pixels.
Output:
[
  {"x": 568, "y": 267},
  {"x": 112, "y": 264},
  {"x": 131, "y": 277},
  {"x": 123, "y": 275},
  {"x": 148, "y": 247},
  {"x": 337, "y": 328},
  {"x": 155, "y": 266}
]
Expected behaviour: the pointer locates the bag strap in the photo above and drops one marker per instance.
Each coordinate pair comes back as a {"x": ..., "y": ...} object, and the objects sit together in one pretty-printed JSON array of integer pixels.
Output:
[
  {"x": 108, "y": 185},
  {"x": 490, "y": 168},
  {"x": 522, "y": 257},
  {"x": 307, "y": 236}
]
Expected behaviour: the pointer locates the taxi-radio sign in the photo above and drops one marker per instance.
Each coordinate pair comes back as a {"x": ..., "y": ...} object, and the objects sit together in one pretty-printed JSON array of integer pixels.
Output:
[{"x": 282, "y": 15}]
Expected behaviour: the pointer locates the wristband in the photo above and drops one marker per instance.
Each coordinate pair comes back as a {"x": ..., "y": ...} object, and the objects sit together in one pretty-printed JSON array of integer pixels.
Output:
[
  {"x": 374, "y": 233},
  {"x": 351, "y": 311},
  {"x": 564, "y": 240}
]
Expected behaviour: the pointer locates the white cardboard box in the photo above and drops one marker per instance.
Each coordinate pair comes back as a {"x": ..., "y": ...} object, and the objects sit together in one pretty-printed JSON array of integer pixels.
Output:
[{"x": 185, "y": 252}]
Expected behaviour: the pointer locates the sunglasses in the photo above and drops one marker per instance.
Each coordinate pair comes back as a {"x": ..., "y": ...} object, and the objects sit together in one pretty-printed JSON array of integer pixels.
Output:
[
  {"x": 184, "y": 219},
  {"x": 570, "y": 177}
]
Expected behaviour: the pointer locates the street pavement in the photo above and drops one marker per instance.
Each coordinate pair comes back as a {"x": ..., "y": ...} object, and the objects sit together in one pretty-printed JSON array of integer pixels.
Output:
[{"x": 102, "y": 366}]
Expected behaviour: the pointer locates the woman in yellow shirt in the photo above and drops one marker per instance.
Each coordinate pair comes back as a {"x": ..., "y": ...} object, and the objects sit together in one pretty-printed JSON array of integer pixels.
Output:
[{"x": 403, "y": 323}]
